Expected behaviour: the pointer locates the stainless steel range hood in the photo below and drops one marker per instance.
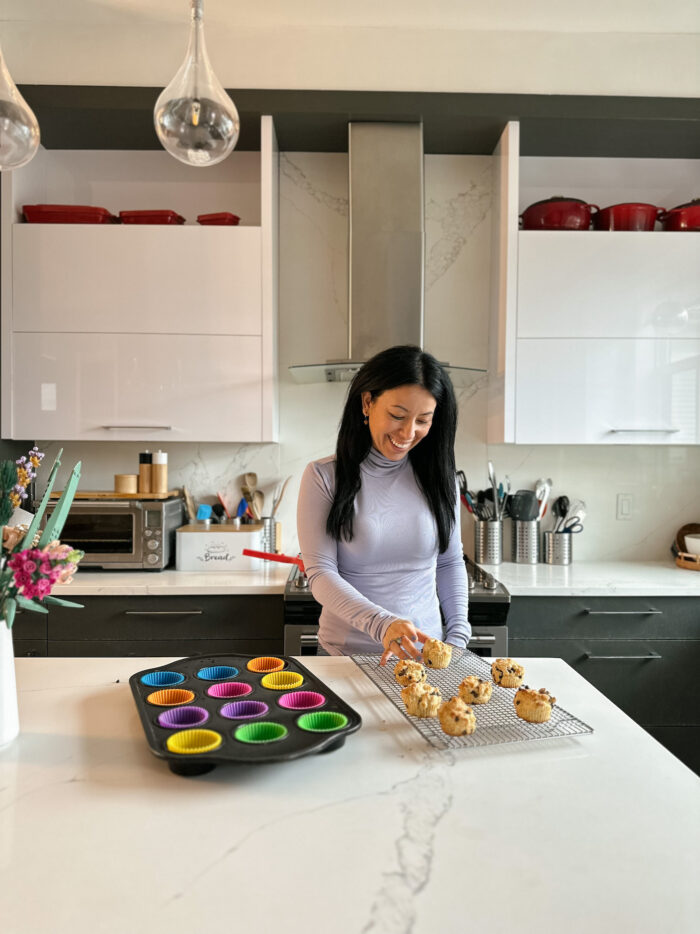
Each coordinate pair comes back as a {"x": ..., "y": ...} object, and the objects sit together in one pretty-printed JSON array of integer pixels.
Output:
[{"x": 387, "y": 249}]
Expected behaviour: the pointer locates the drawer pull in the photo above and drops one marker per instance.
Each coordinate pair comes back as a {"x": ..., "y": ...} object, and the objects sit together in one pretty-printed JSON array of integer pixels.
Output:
[
  {"x": 137, "y": 427},
  {"x": 163, "y": 612},
  {"x": 652, "y": 656},
  {"x": 629, "y": 431},
  {"x": 481, "y": 640},
  {"x": 308, "y": 638},
  {"x": 648, "y": 612}
]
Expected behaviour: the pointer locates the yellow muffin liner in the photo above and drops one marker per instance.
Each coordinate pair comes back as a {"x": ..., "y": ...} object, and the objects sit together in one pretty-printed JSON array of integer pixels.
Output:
[
  {"x": 170, "y": 697},
  {"x": 265, "y": 663},
  {"x": 282, "y": 680},
  {"x": 192, "y": 742}
]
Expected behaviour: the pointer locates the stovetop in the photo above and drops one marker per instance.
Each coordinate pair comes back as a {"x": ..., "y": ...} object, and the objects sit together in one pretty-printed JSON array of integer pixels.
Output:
[{"x": 483, "y": 587}]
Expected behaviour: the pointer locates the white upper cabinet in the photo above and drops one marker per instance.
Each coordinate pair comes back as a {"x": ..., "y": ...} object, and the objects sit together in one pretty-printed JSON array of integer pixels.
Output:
[
  {"x": 594, "y": 335},
  {"x": 142, "y": 332}
]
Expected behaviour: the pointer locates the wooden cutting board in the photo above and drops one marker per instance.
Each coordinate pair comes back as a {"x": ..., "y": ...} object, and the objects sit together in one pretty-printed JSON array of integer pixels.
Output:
[{"x": 110, "y": 494}]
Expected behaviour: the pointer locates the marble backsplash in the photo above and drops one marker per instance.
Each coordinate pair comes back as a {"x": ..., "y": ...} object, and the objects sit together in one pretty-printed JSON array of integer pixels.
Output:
[{"x": 662, "y": 480}]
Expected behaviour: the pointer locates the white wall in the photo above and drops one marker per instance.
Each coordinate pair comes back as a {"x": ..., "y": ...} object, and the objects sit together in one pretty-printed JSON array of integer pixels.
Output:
[
  {"x": 313, "y": 321},
  {"x": 626, "y": 47}
]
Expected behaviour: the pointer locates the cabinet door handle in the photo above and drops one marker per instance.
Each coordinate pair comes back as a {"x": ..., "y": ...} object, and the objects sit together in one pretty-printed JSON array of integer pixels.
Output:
[
  {"x": 650, "y": 611},
  {"x": 308, "y": 639},
  {"x": 163, "y": 612},
  {"x": 652, "y": 656},
  {"x": 627, "y": 431},
  {"x": 482, "y": 640},
  {"x": 137, "y": 427}
]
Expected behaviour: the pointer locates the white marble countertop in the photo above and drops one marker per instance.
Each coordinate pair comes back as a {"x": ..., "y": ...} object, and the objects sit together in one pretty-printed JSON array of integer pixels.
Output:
[
  {"x": 270, "y": 579},
  {"x": 383, "y": 836},
  {"x": 592, "y": 578},
  {"x": 583, "y": 578}
]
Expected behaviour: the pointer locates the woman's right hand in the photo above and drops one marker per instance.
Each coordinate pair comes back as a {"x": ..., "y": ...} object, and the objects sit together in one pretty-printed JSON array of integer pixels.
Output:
[{"x": 400, "y": 639}]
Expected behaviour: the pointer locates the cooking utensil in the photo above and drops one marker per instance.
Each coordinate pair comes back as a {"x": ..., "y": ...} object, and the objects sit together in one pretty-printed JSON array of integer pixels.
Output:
[
  {"x": 189, "y": 503},
  {"x": 628, "y": 216},
  {"x": 278, "y": 499},
  {"x": 523, "y": 506},
  {"x": 223, "y": 503},
  {"x": 560, "y": 507},
  {"x": 558, "y": 213},
  {"x": 572, "y": 525},
  {"x": 250, "y": 480},
  {"x": 270, "y": 556},
  {"x": 542, "y": 490},
  {"x": 258, "y": 504},
  {"x": 682, "y": 217},
  {"x": 494, "y": 489}
]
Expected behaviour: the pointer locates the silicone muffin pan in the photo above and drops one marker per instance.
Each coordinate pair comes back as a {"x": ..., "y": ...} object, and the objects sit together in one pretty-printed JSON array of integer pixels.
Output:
[{"x": 200, "y": 712}]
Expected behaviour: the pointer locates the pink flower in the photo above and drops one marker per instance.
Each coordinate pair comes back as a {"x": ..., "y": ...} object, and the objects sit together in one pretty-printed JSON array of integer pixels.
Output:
[{"x": 42, "y": 588}]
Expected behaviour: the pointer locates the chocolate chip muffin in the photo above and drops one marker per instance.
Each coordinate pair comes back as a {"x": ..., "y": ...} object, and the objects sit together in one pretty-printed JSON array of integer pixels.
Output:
[
  {"x": 534, "y": 706},
  {"x": 456, "y": 718},
  {"x": 421, "y": 700},
  {"x": 408, "y": 672},
  {"x": 437, "y": 654},
  {"x": 475, "y": 690},
  {"x": 507, "y": 673}
]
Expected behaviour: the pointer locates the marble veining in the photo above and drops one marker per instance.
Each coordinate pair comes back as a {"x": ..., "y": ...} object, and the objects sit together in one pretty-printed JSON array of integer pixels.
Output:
[{"x": 458, "y": 218}]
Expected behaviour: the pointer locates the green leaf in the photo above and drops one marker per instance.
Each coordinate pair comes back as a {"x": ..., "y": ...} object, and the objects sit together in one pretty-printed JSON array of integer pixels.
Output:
[
  {"x": 30, "y": 605},
  {"x": 54, "y": 526},
  {"x": 10, "y": 608},
  {"x": 58, "y": 601},
  {"x": 36, "y": 521}
]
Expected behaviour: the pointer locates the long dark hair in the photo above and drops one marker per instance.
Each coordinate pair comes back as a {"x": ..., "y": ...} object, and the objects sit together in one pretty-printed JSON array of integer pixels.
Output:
[{"x": 433, "y": 459}]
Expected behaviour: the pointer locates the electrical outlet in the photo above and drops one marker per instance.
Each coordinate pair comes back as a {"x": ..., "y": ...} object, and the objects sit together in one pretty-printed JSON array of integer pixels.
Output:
[{"x": 624, "y": 506}]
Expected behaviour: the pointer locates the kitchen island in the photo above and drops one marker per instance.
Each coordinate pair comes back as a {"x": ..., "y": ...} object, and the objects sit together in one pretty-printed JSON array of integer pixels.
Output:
[{"x": 383, "y": 835}]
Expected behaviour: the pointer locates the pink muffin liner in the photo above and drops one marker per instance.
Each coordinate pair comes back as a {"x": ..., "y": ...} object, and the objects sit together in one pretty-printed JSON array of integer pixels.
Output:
[
  {"x": 302, "y": 700},
  {"x": 229, "y": 689}
]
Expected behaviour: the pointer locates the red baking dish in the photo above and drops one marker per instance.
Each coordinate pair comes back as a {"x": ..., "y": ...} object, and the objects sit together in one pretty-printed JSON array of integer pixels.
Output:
[
  {"x": 682, "y": 217},
  {"x": 151, "y": 217},
  {"x": 66, "y": 214},
  {"x": 222, "y": 219},
  {"x": 631, "y": 215},
  {"x": 558, "y": 213}
]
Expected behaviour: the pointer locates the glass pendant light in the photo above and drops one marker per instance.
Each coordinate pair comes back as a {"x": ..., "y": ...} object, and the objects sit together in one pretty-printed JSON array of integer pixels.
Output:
[
  {"x": 19, "y": 129},
  {"x": 195, "y": 119}
]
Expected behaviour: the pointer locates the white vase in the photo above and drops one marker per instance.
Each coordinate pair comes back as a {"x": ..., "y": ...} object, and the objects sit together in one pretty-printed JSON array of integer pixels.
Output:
[{"x": 9, "y": 716}]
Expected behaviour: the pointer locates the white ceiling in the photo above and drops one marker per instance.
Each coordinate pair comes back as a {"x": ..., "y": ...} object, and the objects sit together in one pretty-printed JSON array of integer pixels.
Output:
[{"x": 566, "y": 16}]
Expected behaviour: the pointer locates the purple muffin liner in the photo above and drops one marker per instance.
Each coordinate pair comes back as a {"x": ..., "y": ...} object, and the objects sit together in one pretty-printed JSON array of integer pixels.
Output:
[
  {"x": 179, "y": 717},
  {"x": 302, "y": 700},
  {"x": 227, "y": 689},
  {"x": 244, "y": 710}
]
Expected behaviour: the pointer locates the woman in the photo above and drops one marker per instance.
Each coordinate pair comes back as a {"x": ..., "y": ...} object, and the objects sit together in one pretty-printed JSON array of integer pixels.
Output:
[{"x": 379, "y": 522}]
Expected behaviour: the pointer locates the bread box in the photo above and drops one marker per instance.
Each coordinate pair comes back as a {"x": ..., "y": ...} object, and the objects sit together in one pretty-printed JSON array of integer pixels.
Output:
[{"x": 217, "y": 547}]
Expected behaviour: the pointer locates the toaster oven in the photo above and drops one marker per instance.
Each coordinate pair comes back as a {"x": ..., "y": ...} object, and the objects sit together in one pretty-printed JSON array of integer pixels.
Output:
[{"x": 123, "y": 534}]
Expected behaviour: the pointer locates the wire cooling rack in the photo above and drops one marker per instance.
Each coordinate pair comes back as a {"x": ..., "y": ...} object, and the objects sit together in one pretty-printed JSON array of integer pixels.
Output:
[{"x": 496, "y": 721}]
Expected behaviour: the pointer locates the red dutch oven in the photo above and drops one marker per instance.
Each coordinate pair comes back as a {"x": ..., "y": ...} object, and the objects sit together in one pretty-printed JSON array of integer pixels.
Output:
[
  {"x": 682, "y": 217},
  {"x": 628, "y": 216},
  {"x": 558, "y": 213}
]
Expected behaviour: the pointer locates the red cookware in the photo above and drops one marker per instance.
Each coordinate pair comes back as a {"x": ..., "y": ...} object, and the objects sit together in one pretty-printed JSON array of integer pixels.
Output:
[
  {"x": 66, "y": 214},
  {"x": 151, "y": 217},
  {"x": 220, "y": 219},
  {"x": 273, "y": 556},
  {"x": 682, "y": 217},
  {"x": 558, "y": 213},
  {"x": 627, "y": 216}
]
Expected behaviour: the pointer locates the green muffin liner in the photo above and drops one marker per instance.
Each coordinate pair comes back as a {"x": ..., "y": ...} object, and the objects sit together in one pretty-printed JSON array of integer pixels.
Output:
[
  {"x": 262, "y": 732},
  {"x": 322, "y": 721}
]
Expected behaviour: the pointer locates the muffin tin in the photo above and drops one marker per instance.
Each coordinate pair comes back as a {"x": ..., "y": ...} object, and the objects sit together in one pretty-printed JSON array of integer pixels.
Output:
[{"x": 201, "y": 711}]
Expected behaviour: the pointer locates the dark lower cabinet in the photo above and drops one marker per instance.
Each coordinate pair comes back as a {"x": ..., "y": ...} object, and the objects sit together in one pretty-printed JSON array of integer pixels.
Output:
[
  {"x": 150, "y": 626},
  {"x": 641, "y": 652}
]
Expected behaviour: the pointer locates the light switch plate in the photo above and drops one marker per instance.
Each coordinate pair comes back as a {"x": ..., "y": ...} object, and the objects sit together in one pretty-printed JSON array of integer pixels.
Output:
[{"x": 624, "y": 506}]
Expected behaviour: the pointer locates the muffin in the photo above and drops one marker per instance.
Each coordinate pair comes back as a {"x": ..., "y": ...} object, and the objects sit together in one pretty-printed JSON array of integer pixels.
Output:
[
  {"x": 421, "y": 700},
  {"x": 534, "y": 706},
  {"x": 437, "y": 654},
  {"x": 507, "y": 673},
  {"x": 456, "y": 718},
  {"x": 475, "y": 690},
  {"x": 409, "y": 672}
]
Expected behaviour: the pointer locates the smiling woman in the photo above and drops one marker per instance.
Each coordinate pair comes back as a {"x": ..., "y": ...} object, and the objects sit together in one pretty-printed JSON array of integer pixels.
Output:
[{"x": 379, "y": 522}]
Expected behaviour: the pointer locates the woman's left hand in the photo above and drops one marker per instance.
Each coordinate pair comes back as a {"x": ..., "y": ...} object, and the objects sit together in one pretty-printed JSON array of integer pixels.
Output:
[{"x": 400, "y": 639}]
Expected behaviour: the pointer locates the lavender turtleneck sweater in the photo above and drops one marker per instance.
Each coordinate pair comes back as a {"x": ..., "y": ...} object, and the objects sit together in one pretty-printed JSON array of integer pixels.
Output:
[{"x": 390, "y": 570}]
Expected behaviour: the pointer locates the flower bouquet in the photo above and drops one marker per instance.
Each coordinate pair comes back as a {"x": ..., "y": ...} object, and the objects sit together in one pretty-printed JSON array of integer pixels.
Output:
[{"x": 33, "y": 561}]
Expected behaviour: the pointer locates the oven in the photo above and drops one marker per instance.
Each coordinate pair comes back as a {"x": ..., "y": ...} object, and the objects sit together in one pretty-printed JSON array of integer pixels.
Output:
[{"x": 489, "y": 602}]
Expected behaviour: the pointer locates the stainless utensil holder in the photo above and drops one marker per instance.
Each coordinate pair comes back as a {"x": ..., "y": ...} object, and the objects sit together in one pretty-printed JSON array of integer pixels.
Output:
[
  {"x": 488, "y": 541},
  {"x": 525, "y": 541},
  {"x": 557, "y": 547},
  {"x": 270, "y": 529}
]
